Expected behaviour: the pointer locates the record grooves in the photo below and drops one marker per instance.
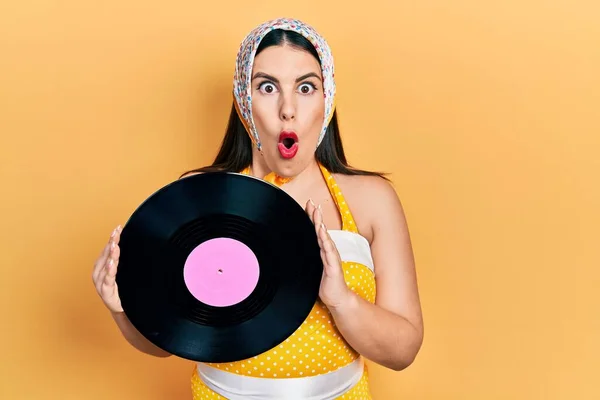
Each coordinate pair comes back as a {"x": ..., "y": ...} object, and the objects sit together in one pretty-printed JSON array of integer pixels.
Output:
[{"x": 218, "y": 267}]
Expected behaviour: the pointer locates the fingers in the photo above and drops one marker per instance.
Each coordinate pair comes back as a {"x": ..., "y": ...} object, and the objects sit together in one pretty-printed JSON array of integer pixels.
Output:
[
  {"x": 318, "y": 218},
  {"x": 325, "y": 239},
  {"x": 330, "y": 262},
  {"x": 110, "y": 254},
  {"x": 101, "y": 261},
  {"x": 104, "y": 270},
  {"x": 310, "y": 209},
  {"x": 111, "y": 272},
  {"x": 329, "y": 252},
  {"x": 320, "y": 228},
  {"x": 99, "y": 264},
  {"x": 101, "y": 276}
]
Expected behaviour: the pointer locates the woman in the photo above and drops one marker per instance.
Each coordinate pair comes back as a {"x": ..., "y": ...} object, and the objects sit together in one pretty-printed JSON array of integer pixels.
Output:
[{"x": 283, "y": 128}]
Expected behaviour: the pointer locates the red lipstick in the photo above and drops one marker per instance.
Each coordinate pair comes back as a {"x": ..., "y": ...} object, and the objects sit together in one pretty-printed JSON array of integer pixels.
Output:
[{"x": 288, "y": 144}]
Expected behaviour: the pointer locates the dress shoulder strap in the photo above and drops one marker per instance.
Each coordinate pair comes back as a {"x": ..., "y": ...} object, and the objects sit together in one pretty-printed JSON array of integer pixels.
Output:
[
  {"x": 348, "y": 223},
  {"x": 245, "y": 171}
]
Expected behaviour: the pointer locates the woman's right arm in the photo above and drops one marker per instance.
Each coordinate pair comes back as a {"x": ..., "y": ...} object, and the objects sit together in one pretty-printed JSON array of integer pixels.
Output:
[{"x": 103, "y": 276}]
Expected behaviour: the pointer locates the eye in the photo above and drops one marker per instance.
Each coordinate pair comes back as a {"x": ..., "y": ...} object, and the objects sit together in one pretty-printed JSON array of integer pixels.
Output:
[
  {"x": 307, "y": 88},
  {"x": 267, "y": 87}
]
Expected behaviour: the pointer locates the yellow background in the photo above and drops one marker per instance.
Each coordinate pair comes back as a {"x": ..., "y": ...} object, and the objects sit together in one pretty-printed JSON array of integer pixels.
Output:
[{"x": 486, "y": 114}]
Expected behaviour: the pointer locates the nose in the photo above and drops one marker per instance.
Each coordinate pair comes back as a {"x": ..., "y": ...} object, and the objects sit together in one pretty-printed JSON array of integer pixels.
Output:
[
  {"x": 287, "y": 116},
  {"x": 288, "y": 108}
]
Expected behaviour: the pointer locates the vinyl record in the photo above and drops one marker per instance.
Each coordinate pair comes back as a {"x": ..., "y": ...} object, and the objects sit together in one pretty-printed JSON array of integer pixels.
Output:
[{"x": 218, "y": 267}]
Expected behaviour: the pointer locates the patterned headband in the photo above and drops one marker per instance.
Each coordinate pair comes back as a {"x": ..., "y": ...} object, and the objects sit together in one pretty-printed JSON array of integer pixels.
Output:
[{"x": 242, "y": 88}]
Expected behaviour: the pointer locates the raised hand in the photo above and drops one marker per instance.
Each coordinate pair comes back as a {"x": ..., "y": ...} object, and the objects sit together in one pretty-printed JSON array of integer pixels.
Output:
[
  {"x": 333, "y": 290},
  {"x": 105, "y": 271}
]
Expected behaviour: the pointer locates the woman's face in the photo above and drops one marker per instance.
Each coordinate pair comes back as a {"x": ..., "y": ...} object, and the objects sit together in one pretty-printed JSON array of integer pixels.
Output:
[{"x": 288, "y": 107}]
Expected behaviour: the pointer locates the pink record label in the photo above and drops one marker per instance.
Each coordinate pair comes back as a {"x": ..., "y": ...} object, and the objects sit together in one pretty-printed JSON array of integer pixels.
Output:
[{"x": 221, "y": 272}]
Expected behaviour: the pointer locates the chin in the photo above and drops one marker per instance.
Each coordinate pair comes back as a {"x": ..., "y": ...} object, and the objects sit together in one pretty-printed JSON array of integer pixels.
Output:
[{"x": 289, "y": 168}]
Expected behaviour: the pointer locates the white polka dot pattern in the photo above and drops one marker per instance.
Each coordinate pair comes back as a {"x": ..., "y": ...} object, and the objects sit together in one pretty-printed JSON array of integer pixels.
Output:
[{"x": 317, "y": 347}]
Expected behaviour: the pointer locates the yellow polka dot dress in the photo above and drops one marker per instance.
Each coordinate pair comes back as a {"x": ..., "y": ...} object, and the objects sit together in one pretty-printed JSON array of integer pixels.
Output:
[{"x": 316, "y": 347}]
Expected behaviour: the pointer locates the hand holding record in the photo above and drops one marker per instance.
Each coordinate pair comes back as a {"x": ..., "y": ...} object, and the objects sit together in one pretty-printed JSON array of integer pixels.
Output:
[
  {"x": 334, "y": 291},
  {"x": 105, "y": 271}
]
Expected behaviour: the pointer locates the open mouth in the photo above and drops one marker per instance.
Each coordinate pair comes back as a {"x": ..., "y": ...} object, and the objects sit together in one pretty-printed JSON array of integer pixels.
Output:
[{"x": 288, "y": 144}]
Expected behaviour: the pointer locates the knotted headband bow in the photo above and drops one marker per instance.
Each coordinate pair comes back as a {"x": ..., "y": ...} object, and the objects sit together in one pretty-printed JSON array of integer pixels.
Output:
[{"x": 242, "y": 88}]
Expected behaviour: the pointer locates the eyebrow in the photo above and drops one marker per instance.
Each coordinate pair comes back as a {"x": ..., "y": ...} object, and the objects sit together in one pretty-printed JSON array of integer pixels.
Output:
[{"x": 272, "y": 78}]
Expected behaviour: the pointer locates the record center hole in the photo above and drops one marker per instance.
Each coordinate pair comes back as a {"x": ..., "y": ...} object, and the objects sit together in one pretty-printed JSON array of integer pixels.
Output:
[{"x": 219, "y": 271}]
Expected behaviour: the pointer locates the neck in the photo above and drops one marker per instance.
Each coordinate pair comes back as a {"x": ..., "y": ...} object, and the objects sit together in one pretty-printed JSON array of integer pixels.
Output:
[{"x": 260, "y": 169}]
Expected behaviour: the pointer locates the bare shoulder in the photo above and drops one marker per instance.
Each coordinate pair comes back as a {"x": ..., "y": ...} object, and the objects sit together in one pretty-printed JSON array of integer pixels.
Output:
[
  {"x": 365, "y": 186},
  {"x": 371, "y": 199}
]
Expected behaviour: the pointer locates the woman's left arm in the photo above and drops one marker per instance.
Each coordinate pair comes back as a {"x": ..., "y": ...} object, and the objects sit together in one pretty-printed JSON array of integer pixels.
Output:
[{"x": 389, "y": 332}]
